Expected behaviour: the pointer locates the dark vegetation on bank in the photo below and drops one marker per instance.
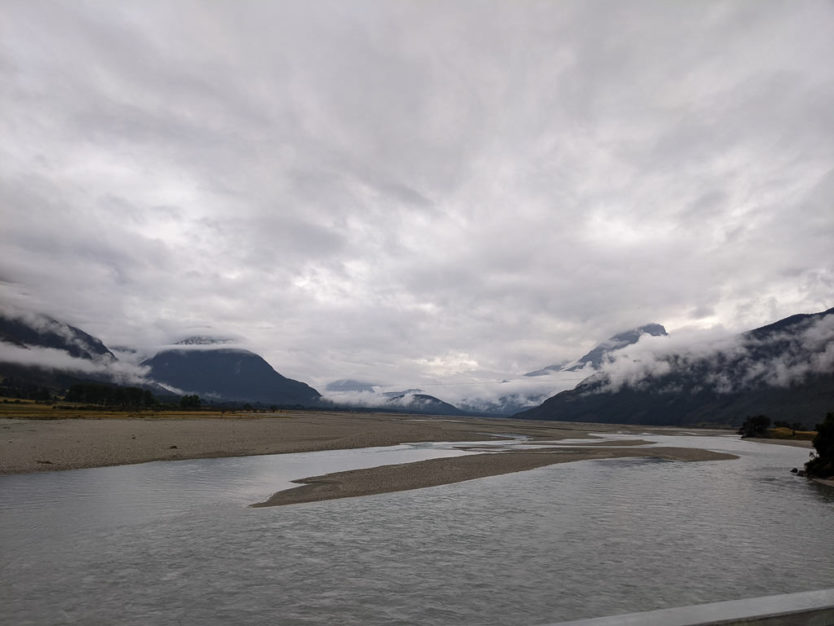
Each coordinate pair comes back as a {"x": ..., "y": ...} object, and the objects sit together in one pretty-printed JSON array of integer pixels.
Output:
[
  {"x": 822, "y": 464},
  {"x": 760, "y": 426},
  {"x": 94, "y": 396}
]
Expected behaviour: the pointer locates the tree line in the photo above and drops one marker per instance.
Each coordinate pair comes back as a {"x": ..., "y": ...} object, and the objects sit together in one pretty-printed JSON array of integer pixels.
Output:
[
  {"x": 821, "y": 464},
  {"x": 117, "y": 396},
  {"x": 110, "y": 395}
]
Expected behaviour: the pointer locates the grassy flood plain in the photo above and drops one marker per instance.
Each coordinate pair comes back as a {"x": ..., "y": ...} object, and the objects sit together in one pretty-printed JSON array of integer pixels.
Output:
[{"x": 33, "y": 410}]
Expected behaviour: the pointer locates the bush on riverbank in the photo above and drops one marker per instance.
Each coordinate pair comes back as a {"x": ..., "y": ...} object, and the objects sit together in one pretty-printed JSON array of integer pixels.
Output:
[
  {"x": 822, "y": 465},
  {"x": 755, "y": 426}
]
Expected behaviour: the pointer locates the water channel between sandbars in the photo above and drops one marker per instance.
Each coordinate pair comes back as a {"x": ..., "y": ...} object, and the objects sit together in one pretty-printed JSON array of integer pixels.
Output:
[{"x": 175, "y": 542}]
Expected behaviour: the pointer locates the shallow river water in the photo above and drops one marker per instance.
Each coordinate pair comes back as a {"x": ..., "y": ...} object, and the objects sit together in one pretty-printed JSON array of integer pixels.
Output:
[{"x": 176, "y": 543}]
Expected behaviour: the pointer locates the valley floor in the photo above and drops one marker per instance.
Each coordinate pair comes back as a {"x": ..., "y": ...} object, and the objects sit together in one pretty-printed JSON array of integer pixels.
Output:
[{"x": 35, "y": 445}]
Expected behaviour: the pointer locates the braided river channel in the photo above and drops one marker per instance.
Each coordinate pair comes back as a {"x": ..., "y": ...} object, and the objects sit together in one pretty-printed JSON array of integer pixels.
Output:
[{"x": 176, "y": 542}]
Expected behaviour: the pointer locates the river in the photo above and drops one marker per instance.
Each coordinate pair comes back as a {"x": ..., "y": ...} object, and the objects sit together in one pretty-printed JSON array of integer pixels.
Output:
[{"x": 176, "y": 543}]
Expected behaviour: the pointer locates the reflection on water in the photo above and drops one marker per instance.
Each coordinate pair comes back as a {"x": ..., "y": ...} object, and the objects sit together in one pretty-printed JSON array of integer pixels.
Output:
[{"x": 176, "y": 543}]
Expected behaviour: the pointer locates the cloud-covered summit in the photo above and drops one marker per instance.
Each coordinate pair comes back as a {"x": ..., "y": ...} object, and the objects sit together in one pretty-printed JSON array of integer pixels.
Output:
[
  {"x": 778, "y": 355},
  {"x": 33, "y": 340},
  {"x": 785, "y": 370},
  {"x": 595, "y": 358}
]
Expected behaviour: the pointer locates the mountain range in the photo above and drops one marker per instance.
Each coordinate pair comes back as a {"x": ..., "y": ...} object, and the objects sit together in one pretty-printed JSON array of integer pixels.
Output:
[
  {"x": 52, "y": 356},
  {"x": 46, "y": 332},
  {"x": 784, "y": 370},
  {"x": 412, "y": 401},
  {"x": 367, "y": 395},
  {"x": 48, "y": 356}
]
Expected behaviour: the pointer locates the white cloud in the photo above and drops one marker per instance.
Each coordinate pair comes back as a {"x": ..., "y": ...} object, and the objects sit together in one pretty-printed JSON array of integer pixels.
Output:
[{"x": 52, "y": 359}]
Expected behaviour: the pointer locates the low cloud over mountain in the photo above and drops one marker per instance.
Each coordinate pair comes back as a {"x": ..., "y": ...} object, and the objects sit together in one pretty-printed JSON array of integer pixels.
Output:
[
  {"x": 600, "y": 353},
  {"x": 34, "y": 330},
  {"x": 34, "y": 346},
  {"x": 785, "y": 370},
  {"x": 38, "y": 351}
]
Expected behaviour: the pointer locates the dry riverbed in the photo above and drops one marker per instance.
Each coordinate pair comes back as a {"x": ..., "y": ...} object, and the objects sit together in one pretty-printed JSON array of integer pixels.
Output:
[{"x": 34, "y": 445}]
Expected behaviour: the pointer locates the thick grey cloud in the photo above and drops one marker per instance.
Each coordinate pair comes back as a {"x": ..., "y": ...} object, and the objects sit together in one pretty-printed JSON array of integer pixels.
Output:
[{"x": 415, "y": 193}]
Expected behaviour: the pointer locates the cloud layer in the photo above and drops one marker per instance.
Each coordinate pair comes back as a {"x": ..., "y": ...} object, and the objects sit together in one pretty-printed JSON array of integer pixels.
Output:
[
  {"x": 52, "y": 359},
  {"x": 417, "y": 193},
  {"x": 725, "y": 364}
]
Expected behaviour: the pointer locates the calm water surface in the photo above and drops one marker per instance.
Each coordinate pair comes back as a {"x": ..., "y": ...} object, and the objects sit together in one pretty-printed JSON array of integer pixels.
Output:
[{"x": 175, "y": 542}]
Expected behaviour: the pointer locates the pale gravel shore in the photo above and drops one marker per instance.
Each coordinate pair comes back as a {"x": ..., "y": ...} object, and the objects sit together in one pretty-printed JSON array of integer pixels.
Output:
[
  {"x": 49, "y": 445},
  {"x": 444, "y": 471},
  {"x": 58, "y": 444}
]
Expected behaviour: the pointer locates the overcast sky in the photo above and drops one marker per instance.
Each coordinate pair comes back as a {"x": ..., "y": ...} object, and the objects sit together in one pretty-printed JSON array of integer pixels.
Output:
[{"x": 415, "y": 193}]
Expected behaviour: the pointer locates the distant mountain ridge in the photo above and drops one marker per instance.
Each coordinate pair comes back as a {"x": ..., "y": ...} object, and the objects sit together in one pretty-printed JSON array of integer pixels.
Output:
[
  {"x": 197, "y": 367},
  {"x": 784, "y": 370},
  {"x": 355, "y": 393},
  {"x": 41, "y": 331},
  {"x": 412, "y": 402},
  {"x": 502, "y": 406},
  {"x": 44, "y": 337}
]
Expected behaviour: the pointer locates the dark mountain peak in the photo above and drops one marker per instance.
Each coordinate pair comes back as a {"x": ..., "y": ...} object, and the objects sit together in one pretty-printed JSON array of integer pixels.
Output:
[
  {"x": 788, "y": 325},
  {"x": 633, "y": 336},
  {"x": 35, "y": 330},
  {"x": 596, "y": 356},
  {"x": 626, "y": 338},
  {"x": 229, "y": 374}
]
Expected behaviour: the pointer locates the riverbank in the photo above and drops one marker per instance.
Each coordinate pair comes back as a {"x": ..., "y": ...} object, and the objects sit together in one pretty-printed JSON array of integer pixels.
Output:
[
  {"x": 60, "y": 444},
  {"x": 796, "y": 443}
]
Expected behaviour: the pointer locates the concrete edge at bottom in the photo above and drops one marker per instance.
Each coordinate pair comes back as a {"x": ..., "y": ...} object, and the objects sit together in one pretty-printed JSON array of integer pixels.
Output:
[{"x": 806, "y": 608}]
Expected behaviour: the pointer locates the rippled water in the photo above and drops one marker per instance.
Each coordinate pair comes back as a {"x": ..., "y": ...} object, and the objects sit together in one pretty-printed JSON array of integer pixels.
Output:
[{"x": 175, "y": 542}]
